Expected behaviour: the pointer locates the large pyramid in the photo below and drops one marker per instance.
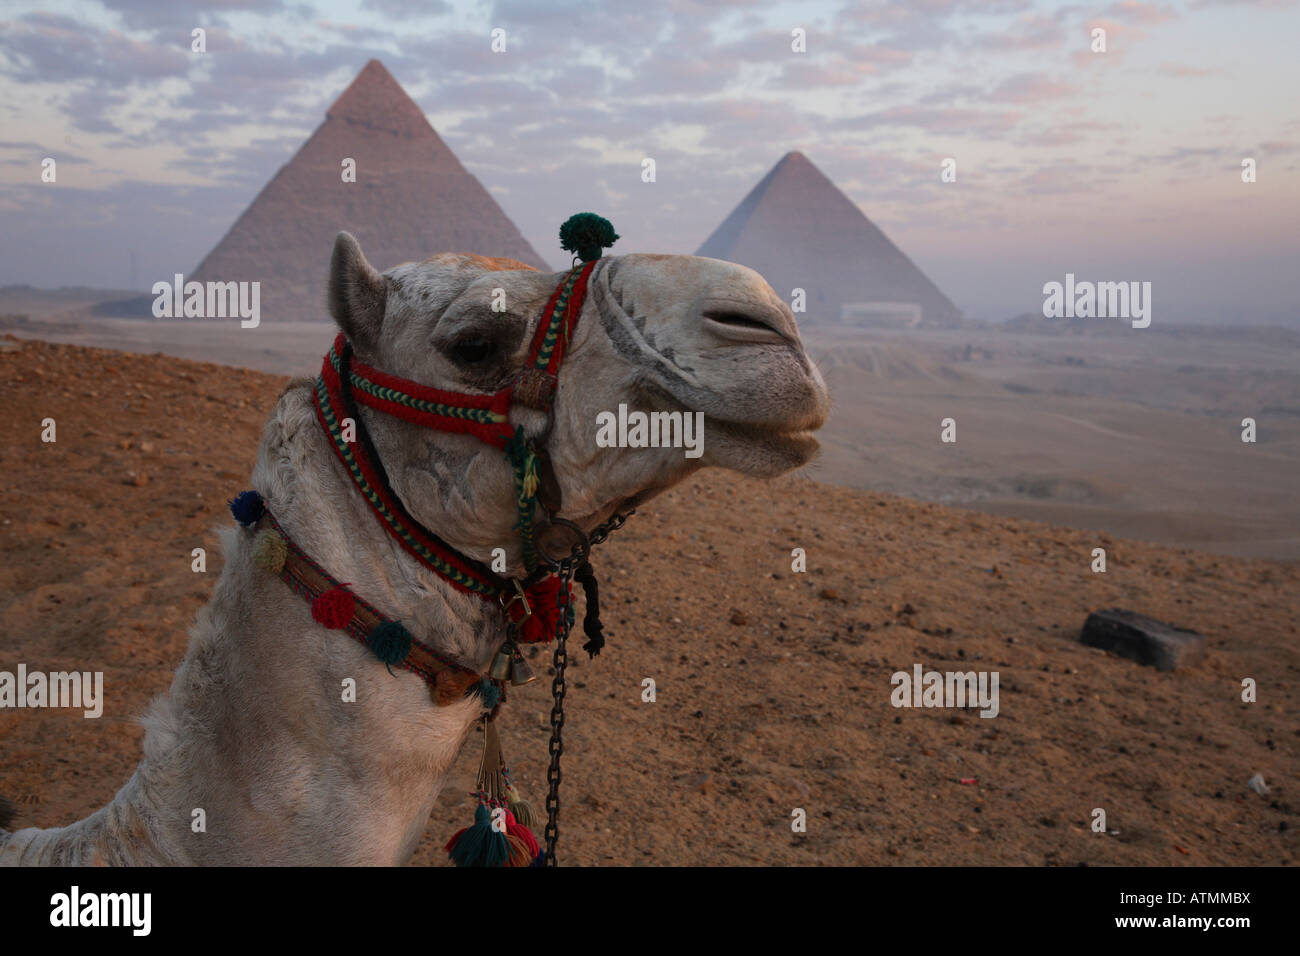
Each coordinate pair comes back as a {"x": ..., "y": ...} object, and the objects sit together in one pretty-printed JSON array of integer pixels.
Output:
[
  {"x": 411, "y": 199},
  {"x": 798, "y": 230}
]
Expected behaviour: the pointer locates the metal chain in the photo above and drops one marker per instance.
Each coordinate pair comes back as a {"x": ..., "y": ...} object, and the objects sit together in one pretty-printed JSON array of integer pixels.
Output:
[{"x": 564, "y": 621}]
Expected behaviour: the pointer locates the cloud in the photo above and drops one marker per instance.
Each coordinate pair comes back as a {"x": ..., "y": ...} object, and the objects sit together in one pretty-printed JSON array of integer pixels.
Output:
[
  {"x": 1134, "y": 11},
  {"x": 1030, "y": 88},
  {"x": 1187, "y": 70},
  {"x": 177, "y": 19},
  {"x": 952, "y": 120},
  {"x": 406, "y": 9},
  {"x": 1031, "y": 31},
  {"x": 51, "y": 48}
]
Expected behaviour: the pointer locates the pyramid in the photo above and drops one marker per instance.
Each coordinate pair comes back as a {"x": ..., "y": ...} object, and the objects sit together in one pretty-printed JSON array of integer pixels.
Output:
[
  {"x": 797, "y": 230},
  {"x": 411, "y": 198}
]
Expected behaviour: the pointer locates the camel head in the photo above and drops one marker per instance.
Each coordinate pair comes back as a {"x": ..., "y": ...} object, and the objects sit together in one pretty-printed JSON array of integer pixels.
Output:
[{"x": 656, "y": 333}]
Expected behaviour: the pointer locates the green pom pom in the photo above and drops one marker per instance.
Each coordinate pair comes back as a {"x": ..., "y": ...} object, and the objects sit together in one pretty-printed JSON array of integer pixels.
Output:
[
  {"x": 586, "y": 234},
  {"x": 390, "y": 642},
  {"x": 479, "y": 845}
]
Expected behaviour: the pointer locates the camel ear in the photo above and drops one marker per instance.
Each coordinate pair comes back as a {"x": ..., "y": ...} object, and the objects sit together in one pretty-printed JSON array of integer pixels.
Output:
[{"x": 357, "y": 292}]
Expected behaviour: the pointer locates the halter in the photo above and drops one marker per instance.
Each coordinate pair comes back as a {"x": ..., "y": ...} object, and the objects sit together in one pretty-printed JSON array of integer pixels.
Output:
[
  {"x": 344, "y": 381},
  {"x": 535, "y": 608}
]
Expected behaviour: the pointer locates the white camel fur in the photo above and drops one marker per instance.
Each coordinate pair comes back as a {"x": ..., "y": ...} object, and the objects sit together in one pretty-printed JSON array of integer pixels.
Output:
[{"x": 254, "y": 730}]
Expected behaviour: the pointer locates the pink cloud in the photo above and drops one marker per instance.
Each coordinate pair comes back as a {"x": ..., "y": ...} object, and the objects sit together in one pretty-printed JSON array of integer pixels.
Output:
[{"x": 1030, "y": 88}]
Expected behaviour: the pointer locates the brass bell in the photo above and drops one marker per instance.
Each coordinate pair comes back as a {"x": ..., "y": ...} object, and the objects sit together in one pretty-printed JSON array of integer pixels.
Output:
[
  {"x": 520, "y": 672},
  {"x": 501, "y": 664}
]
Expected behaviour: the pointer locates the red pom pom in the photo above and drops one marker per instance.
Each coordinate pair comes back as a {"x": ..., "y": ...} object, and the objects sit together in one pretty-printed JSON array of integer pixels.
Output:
[
  {"x": 540, "y": 627},
  {"x": 334, "y": 608}
]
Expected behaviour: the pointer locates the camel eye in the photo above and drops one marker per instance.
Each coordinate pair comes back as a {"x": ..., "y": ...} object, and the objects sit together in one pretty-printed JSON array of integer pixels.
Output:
[{"x": 473, "y": 350}]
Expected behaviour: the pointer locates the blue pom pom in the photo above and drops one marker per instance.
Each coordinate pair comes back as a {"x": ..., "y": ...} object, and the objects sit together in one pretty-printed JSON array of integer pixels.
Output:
[
  {"x": 247, "y": 507},
  {"x": 390, "y": 642},
  {"x": 489, "y": 691},
  {"x": 539, "y": 860}
]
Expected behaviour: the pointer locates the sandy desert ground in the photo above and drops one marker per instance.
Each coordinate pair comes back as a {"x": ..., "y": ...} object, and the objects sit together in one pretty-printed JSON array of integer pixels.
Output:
[
  {"x": 773, "y": 686},
  {"x": 1135, "y": 432}
]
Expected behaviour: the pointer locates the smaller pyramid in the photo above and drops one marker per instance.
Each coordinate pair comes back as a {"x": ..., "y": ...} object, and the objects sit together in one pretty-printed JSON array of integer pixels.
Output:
[
  {"x": 798, "y": 230},
  {"x": 411, "y": 198}
]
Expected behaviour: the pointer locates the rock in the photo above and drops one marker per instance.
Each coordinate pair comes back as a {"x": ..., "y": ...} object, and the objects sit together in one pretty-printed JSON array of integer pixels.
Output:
[
  {"x": 739, "y": 619},
  {"x": 1257, "y": 784},
  {"x": 1143, "y": 639},
  {"x": 828, "y": 594}
]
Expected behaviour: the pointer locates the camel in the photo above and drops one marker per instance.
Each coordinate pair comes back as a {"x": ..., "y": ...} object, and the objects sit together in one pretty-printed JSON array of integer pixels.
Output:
[{"x": 253, "y": 731}]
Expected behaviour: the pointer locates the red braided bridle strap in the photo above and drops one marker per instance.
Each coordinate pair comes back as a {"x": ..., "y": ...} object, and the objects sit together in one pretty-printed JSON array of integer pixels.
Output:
[
  {"x": 483, "y": 416},
  {"x": 463, "y": 573},
  {"x": 536, "y": 383}
]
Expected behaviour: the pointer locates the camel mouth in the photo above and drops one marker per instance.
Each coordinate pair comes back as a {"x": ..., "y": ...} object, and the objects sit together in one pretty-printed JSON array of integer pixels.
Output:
[{"x": 789, "y": 442}]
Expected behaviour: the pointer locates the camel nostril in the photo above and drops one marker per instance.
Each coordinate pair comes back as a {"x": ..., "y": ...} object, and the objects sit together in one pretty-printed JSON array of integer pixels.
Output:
[{"x": 744, "y": 323}]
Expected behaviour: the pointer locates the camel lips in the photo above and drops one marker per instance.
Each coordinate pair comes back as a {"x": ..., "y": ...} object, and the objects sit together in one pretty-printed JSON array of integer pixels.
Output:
[
  {"x": 651, "y": 430},
  {"x": 56, "y": 689}
]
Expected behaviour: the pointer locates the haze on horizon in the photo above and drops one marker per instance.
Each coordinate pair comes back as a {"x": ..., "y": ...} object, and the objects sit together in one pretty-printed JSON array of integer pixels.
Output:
[{"x": 1117, "y": 166}]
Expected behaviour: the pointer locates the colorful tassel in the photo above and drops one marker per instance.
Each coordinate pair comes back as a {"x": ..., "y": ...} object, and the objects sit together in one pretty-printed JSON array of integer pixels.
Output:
[
  {"x": 474, "y": 845},
  {"x": 247, "y": 507},
  {"x": 543, "y": 598},
  {"x": 334, "y": 608},
  {"x": 480, "y": 844},
  {"x": 519, "y": 855},
  {"x": 270, "y": 550},
  {"x": 517, "y": 831},
  {"x": 523, "y": 810}
]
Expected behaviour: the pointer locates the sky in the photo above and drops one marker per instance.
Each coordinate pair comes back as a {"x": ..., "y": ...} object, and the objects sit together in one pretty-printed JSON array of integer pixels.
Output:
[{"x": 1122, "y": 165}]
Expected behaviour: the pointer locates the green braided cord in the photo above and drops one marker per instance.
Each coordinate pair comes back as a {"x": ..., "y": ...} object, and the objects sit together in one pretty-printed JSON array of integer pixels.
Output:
[
  {"x": 553, "y": 330},
  {"x": 524, "y": 461},
  {"x": 441, "y": 566},
  {"x": 482, "y": 415}
]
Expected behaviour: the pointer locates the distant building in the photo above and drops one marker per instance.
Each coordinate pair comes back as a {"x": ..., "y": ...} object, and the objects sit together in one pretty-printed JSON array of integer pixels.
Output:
[
  {"x": 799, "y": 231},
  {"x": 898, "y": 314}
]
